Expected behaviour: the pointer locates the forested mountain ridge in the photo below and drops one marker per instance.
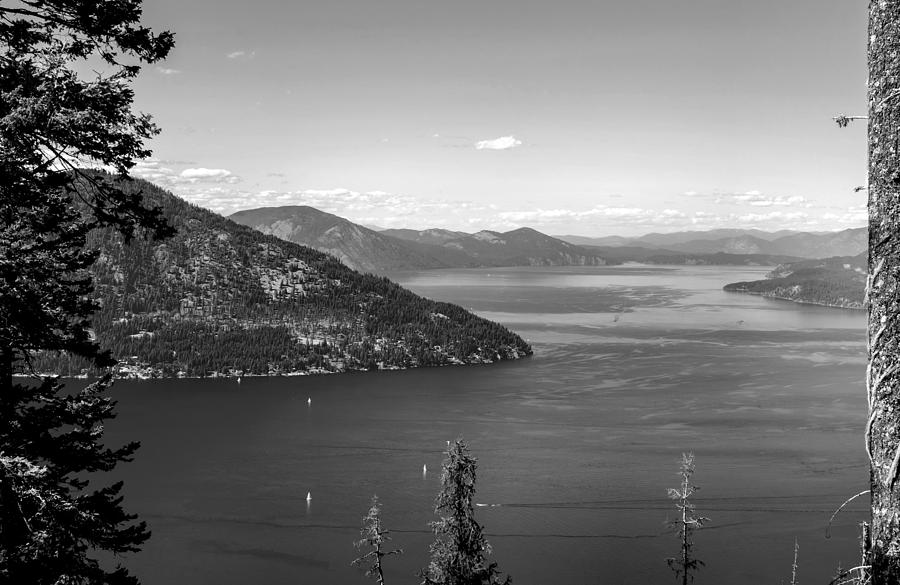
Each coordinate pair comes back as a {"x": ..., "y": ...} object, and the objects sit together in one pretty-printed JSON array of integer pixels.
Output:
[
  {"x": 402, "y": 249},
  {"x": 221, "y": 298},
  {"x": 833, "y": 282}
]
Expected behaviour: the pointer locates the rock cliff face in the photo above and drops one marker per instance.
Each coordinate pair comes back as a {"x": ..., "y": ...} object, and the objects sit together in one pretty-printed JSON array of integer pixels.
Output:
[{"x": 221, "y": 298}]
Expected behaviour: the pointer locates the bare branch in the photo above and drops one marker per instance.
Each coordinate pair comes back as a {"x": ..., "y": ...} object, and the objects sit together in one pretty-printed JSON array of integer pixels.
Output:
[{"x": 841, "y": 507}]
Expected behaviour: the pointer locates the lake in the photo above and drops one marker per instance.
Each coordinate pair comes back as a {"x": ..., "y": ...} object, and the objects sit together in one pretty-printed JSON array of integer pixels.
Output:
[{"x": 633, "y": 365}]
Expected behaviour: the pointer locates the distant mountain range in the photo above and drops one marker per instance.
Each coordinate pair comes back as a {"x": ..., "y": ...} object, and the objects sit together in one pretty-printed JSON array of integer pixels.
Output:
[
  {"x": 221, "y": 298},
  {"x": 665, "y": 240},
  {"x": 620, "y": 254},
  {"x": 521, "y": 247},
  {"x": 833, "y": 282},
  {"x": 367, "y": 250},
  {"x": 390, "y": 250},
  {"x": 849, "y": 242}
]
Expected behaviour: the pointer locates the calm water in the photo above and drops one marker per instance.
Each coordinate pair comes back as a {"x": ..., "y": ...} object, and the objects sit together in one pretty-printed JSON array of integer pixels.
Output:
[{"x": 632, "y": 366}]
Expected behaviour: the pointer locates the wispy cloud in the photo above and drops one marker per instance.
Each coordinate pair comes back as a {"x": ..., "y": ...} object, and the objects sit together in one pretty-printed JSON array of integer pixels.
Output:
[
  {"x": 758, "y": 199},
  {"x": 244, "y": 55},
  {"x": 158, "y": 172},
  {"x": 221, "y": 190},
  {"x": 205, "y": 174},
  {"x": 600, "y": 215},
  {"x": 853, "y": 215},
  {"x": 168, "y": 71},
  {"x": 753, "y": 198},
  {"x": 502, "y": 143}
]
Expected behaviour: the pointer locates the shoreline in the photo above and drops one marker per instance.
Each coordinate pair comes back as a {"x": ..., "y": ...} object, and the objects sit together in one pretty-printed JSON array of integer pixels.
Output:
[
  {"x": 132, "y": 372},
  {"x": 798, "y": 301}
]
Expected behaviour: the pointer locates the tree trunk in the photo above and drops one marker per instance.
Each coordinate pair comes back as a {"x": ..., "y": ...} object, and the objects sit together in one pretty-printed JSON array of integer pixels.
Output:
[{"x": 883, "y": 374}]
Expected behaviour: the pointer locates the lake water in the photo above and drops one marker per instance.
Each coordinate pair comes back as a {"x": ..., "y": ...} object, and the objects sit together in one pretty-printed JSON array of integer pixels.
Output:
[{"x": 633, "y": 365}]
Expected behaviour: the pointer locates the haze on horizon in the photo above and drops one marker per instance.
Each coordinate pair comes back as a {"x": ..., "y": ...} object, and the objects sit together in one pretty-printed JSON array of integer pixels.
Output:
[{"x": 575, "y": 117}]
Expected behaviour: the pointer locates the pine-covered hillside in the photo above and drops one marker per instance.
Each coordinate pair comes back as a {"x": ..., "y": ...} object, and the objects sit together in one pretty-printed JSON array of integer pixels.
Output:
[
  {"x": 834, "y": 282},
  {"x": 221, "y": 298}
]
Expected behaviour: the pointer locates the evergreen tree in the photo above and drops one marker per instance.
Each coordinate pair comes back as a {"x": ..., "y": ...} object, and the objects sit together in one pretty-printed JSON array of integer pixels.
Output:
[
  {"x": 374, "y": 537},
  {"x": 54, "y": 122},
  {"x": 460, "y": 550},
  {"x": 50, "y": 520},
  {"x": 686, "y": 564}
]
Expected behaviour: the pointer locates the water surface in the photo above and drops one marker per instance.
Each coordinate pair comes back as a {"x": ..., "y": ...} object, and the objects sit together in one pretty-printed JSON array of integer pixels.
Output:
[{"x": 633, "y": 365}]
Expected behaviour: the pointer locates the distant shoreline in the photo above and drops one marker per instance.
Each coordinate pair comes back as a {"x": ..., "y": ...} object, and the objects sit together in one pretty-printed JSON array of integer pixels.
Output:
[
  {"x": 798, "y": 301},
  {"x": 130, "y": 372}
]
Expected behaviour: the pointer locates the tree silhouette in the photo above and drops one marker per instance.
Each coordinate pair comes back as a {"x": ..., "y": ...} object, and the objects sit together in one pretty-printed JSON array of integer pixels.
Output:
[
  {"x": 374, "y": 537},
  {"x": 686, "y": 564},
  {"x": 460, "y": 550},
  {"x": 53, "y": 123}
]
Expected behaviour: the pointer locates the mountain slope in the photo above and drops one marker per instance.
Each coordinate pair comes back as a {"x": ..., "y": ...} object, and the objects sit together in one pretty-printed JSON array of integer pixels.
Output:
[
  {"x": 402, "y": 249},
  {"x": 220, "y": 297},
  {"x": 434, "y": 236},
  {"x": 521, "y": 247},
  {"x": 666, "y": 240},
  {"x": 356, "y": 246},
  {"x": 849, "y": 242},
  {"x": 742, "y": 244}
]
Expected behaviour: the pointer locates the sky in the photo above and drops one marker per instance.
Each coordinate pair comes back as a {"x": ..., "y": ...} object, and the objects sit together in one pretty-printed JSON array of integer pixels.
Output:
[{"x": 578, "y": 117}]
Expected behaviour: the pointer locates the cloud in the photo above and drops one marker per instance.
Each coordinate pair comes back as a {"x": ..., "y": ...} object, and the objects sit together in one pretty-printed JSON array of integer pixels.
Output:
[
  {"x": 205, "y": 175},
  {"x": 168, "y": 71},
  {"x": 757, "y": 199},
  {"x": 598, "y": 214},
  {"x": 502, "y": 143},
  {"x": 753, "y": 198},
  {"x": 393, "y": 210},
  {"x": 218, "y": 189},
  {"x": 378, "y": 207},
  {"x": 854, "y": 215},
  {"x": 153, "y": 170},
  {"x": 781, "y": 217},
  {"x": 243, "y": 55},
  {"x": 162, "y": 173}
]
